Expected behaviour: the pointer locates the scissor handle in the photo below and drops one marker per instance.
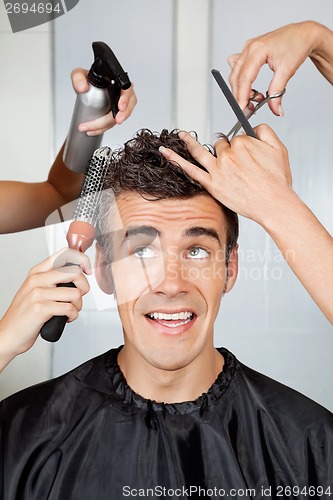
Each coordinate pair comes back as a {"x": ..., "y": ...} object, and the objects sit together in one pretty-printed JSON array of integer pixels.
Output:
[{"x": 235, "y": 129}]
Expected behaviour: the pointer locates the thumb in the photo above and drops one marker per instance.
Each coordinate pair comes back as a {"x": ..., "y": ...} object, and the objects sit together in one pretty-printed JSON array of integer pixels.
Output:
[{"x": 79, "y": 80}]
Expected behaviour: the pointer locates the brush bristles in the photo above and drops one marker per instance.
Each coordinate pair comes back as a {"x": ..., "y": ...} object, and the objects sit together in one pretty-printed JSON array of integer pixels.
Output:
[{"x": 91, "y": 191}]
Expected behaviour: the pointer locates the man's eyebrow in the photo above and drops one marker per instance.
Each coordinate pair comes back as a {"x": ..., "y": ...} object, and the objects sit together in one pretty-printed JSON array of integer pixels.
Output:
[
  {"x": 149, "y": 231},
  {"x": 202, "y": 231}
]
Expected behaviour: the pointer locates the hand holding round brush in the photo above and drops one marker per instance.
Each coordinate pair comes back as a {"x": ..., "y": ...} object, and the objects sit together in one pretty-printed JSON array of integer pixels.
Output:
[{"x": 81, "y": 231}]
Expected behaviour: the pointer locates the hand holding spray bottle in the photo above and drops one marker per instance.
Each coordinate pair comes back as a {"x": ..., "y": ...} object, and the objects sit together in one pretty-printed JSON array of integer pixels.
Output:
[{"x": 106, "y": 79}]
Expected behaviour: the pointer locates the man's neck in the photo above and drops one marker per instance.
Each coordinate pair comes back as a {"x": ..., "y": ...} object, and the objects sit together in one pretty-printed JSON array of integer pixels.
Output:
[{"x": 174, "y": 386}]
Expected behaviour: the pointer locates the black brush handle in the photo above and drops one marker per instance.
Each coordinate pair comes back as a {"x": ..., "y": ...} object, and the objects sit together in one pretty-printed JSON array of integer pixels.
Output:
[{"x": 53, "y": 328}]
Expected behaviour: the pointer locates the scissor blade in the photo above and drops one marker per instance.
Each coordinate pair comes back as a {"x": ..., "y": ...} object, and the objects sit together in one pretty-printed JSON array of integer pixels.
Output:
[{"x": 233, "y": 104}]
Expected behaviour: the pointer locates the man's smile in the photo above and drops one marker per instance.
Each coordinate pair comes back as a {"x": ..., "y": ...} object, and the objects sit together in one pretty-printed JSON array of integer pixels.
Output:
[{"x": 171, "y": 321}]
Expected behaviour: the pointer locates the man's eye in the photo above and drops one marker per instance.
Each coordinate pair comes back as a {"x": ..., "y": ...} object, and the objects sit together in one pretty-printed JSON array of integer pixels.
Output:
[
  {"x": 197, "y": 253},
  {"x": 144, "y": 252}
]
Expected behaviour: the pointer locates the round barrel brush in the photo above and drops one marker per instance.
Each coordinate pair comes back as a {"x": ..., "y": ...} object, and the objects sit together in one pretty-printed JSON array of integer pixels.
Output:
[{"x": 81, "y": 232}]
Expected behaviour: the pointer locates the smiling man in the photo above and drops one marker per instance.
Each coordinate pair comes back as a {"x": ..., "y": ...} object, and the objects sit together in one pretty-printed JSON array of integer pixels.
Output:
[
  {"x": 167, "y": 414},
  {"x": 168, "y": 328},
  {"x": 177, "y": 248}
]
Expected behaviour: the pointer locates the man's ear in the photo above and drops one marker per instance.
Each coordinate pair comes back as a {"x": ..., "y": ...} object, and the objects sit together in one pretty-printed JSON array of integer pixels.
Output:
[
  {"x": 232, "y": 269},
  {"x": 103, "y": 272}
]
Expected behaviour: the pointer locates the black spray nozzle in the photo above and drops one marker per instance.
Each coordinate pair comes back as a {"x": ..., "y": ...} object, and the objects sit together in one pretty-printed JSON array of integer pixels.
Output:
[
  {"x": 107, "y": 66},
  {"x": 106, "y": 72}
]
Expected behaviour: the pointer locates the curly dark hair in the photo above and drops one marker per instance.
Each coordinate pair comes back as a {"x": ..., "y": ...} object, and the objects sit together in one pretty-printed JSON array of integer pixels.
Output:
[{"x": 141, "y": 168}]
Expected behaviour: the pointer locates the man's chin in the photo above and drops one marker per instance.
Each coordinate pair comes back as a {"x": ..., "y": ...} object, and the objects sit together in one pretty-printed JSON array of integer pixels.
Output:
[{"x": 169, "y": 360}]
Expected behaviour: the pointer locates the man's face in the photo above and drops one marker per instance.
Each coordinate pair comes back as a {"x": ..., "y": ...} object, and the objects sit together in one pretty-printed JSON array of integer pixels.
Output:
[{"x": 169, "y": 275}]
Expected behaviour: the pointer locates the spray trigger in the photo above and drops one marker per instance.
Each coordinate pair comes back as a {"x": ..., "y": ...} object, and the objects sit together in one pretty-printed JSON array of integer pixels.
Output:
[{"x": 107, "y": 72}]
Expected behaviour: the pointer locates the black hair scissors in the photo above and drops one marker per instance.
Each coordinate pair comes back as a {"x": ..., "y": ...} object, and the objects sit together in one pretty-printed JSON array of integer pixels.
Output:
[{"x": 243, "y": 117}]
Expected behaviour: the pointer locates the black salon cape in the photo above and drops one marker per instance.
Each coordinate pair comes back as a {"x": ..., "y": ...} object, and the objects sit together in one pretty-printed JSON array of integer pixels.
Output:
[{"x": 86, "y": 435}]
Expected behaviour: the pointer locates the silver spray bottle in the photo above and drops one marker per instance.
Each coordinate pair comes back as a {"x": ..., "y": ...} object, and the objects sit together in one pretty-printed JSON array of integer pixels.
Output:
[{"x": 106, "y": 79}]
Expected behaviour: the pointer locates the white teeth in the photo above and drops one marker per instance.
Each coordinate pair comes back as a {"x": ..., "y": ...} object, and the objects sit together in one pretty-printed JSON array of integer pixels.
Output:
[
  {"x": 174, "y": 325},
  {"x": 175, "y": 316}
]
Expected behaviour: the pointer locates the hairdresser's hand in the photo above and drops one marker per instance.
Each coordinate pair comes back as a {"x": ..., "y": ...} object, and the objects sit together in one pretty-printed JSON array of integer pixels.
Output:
[
  {"x": 39, "y": 299},
  {"x": 126, "y": 104},
  {"x": 284, "y": 50},
  {"x": 253, "y": 178},
  {"x": 247, "y": 175}
]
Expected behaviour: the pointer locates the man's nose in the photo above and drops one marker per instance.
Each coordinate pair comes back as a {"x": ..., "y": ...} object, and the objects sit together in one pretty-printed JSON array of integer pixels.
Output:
[{"x": 175, "y": 280}]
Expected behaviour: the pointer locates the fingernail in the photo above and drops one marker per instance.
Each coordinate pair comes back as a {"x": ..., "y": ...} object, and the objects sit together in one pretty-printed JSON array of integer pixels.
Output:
[
  {"x": 83, "y": 128},
  {"x": 280, "y": 110},
  {"x": 81, "y": 85},
  {"x": 182, "y": 134},
  {"x": 163, "y": 151}
]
